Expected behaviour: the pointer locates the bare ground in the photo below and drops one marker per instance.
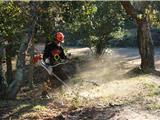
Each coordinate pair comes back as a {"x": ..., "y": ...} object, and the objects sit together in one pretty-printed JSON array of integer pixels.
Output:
[{"x": 108, "y": 89}]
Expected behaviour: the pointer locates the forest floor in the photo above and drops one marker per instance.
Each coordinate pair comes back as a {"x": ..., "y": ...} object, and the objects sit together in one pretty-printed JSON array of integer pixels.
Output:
[{"x": 111, "y": 88}]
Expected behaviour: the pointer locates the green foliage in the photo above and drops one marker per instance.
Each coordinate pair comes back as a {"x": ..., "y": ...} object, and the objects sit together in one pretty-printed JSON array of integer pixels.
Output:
[
  {"x": 152, "y": 15},
  {"x": 93, "y": 21},
  {"x": 47, "y": 19},
  {"x": 123, "y": 38},
  {"x": 107, "y": 18},
  {"x": 118, "y": 34},
  {"x": 12, "y": 24},
  {"x": 153, "y": 106},
  {"x": 11, "y": 19},
  {"x": 39, "y": 108},
  {"x": 153, "y": 89}
]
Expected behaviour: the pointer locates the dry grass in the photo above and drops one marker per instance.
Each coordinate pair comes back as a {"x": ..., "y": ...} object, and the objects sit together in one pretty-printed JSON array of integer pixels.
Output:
[
  {"x": 101, "y": 82},
  {"x": 105, "y": 81}
]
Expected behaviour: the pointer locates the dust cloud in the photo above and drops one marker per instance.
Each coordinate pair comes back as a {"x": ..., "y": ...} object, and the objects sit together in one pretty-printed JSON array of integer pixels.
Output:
[{"x": 102, "y": 78}]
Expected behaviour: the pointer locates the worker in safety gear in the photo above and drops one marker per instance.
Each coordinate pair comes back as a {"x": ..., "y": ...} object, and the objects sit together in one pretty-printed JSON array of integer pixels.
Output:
[{"x": 54, "y": 52}]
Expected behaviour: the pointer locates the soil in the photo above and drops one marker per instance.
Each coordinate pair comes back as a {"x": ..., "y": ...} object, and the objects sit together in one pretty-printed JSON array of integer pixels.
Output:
[{"x": 109, "y": 89}]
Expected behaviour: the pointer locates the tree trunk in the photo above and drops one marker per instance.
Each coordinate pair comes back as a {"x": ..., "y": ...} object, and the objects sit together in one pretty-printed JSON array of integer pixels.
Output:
[
  {"x": 145, "y": 43},
  {"x": 15, "y": 85},
  {"x": 3, "y": 82},
  {"x": 146, "y": 47},
  {"x": 9, "y": 63},
  {"x": 100, "y": 47},
  {"x": 19, "y": 78},
  {"x": 30, "y": 72}
]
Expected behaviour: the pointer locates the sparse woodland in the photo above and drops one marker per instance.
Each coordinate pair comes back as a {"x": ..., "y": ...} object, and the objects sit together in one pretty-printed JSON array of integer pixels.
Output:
[{"x": 114, "y": 70}]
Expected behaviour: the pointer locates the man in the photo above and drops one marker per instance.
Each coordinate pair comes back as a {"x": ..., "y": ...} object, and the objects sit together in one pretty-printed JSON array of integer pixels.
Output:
[{"x": 53, "y": 52}]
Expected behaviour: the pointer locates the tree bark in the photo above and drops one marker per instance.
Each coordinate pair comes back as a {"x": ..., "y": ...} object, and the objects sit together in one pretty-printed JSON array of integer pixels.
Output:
[
  {"x": 145, "y": 42},
  {"x": 100, "y": 47},
  {"x": 3, "y": 82},
  {"x": 19, "y": 78},
  {"x": 146, "y": 47},
  {"x": 9, "y": 63},
  {"x": 15, "y": 85},
  {"x": 30, "y": 72}
]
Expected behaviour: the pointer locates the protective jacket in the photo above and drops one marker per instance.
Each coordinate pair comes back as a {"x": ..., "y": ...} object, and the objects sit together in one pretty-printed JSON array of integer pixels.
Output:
[{"x": 53, "y": 52}]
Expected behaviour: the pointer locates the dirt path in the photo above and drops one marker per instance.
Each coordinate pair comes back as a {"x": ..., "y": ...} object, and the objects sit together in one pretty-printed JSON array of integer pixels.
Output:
[
  {"x": 129, "y": 94},
  {"x": 104, "y": 81},
  {"x": 113, "y": 113},
  {"x": 106, "y": 89}
]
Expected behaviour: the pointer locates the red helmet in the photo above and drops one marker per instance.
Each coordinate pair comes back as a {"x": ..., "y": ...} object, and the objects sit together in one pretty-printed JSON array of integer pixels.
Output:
[{"x": 59, "y": 37}]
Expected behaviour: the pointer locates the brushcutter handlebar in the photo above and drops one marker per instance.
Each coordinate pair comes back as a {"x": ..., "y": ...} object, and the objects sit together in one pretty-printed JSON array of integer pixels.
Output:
[{"x": 55, "y": 65}]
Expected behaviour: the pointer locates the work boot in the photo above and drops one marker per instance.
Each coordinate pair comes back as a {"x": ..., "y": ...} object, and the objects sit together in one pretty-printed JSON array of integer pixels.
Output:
[{"x": 45, "y": 95}]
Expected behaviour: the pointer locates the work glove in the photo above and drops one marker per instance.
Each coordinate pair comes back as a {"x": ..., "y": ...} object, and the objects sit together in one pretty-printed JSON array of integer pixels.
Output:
[
  {"x": 69, "y": 56},
  {"x": 47, "y": 61}
]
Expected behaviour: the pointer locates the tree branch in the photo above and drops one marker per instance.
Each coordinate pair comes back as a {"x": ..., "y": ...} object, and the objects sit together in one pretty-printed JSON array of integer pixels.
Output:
[{"x": 130, "y": 10}]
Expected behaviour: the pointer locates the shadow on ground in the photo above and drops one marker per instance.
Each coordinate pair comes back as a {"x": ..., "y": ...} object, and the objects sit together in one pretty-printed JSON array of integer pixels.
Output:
[
  {"x": 137, "y": 72},
  {"x": 13, "y": 109},
  {"x": 102, "y": 113},
  {"x": 29, "y": 98}
]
